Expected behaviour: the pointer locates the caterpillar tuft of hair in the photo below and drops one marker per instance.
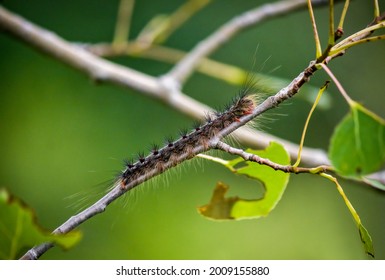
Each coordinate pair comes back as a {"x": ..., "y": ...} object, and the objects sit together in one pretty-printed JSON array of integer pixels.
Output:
[{"x": 187, "y": 146}]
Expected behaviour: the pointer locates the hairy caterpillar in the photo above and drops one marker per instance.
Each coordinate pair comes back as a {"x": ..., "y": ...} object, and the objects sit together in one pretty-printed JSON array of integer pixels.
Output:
[{"x": 187, "y": 146}]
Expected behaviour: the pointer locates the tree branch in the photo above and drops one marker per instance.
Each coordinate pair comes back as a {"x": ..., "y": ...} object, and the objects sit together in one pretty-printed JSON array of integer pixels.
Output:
[
  {"x": 163, "y": 89},
  {"x": 98, "y": 69},
  {"x": 118, "y": 190}
]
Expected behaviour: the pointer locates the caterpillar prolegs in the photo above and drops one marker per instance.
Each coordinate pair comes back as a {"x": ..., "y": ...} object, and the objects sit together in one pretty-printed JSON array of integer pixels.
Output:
[{"x": 187, "y": 146}]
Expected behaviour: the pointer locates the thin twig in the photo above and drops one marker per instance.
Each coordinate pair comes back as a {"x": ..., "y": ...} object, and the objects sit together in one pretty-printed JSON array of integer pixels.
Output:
[{"x": 284, "y": 168}]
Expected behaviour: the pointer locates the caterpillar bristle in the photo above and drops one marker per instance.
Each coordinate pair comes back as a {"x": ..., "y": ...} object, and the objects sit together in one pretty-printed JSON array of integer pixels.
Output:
[
  {"x": 154, "y": 149},
  {"x": 169, "y": 142},
  {"x": 208, "y": 118},
  {"x": 141, "y": 157},
  {"x": 197, "y": 126},
  {"x": 128, "y": 163},
  {"x": 183, "y": 133}
]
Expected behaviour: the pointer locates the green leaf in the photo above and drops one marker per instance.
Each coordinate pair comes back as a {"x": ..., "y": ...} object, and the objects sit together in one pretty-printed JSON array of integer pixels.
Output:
[
  {"x": 357, "y": 146},
  {"x": 366, "y": 240},
  {"x": 374, "y": 183},
  {"x": 19, "y": 230},
  {"x": 274, "y": 182}
]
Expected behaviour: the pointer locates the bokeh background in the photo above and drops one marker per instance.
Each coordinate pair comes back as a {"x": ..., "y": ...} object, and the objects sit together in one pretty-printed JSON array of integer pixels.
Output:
[{"x": 63, "y": 137}]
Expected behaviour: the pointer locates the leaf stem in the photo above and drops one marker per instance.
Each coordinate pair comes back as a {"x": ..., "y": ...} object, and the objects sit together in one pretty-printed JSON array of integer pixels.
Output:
[
  {"x": 376, "y": 9},
  {"x": 346, "y": 200},
  {"x": 352, "y": 39},
  {"x": 338, "y": 84},
  {"x": 216, "y": 159},
  {"x": 331, "y": 23},
  {"x": 122, "y": 27},
  {"x": 315, "y": 32},
  {"x": 361, "y": 41},
  {"x": 322, "y": 89},
  {"x": 340, "y": 27}
]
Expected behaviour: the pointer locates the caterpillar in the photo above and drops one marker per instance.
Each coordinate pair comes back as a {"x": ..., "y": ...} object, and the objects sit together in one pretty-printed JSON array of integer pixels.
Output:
[{"x": 187, "y": 146}]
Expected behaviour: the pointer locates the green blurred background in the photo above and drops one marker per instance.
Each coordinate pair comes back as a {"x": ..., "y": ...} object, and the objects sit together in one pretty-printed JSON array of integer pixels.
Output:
[{"x": 64, "y": 137}]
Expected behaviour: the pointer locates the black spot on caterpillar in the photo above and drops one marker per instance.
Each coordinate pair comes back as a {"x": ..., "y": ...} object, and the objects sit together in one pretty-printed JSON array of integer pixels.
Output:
[{"x": 174, "y": 152}]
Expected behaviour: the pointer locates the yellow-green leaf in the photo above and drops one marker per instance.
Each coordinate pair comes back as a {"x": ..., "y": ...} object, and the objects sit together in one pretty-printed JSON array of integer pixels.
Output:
[
  {"x": 274, "y": 183},
  {"x": 19, "y": 230},
  {"x": 366, "y": 240}
]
